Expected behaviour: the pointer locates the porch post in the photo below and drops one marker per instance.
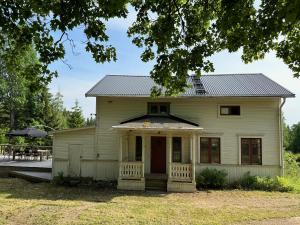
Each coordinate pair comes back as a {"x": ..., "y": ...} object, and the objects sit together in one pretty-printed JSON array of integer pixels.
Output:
[
  {"x": 169, "y": 144},
  {"x": 194, "y": 159},
  {"x": 143, "y": 154},
  {"x": 121, "y": 148},
  {"x": 120, "y": 155},
  {"x": 193, "y": 156}
]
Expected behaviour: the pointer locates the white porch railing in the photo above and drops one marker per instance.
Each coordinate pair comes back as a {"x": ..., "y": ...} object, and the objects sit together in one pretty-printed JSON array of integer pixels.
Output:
[
  {"x": 181, "y": 172},
  {"x": 131, "y": 170}
]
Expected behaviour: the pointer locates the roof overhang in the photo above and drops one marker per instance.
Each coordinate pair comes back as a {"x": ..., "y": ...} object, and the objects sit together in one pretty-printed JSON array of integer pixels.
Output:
[
  {"x": 151, "y": 128},
  {"x": 72, "y": 130},
  {"x": 158, "y": 123}
]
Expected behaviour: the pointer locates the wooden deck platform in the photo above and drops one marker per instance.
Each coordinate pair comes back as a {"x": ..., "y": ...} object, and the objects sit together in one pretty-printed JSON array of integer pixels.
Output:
[
  {"x": 6, "y": 166},
  {"x": 32, "y": 176}
]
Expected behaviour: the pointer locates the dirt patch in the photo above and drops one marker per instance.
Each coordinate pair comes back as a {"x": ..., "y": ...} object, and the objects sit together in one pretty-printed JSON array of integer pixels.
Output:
[{"x": 286, "y": 221}]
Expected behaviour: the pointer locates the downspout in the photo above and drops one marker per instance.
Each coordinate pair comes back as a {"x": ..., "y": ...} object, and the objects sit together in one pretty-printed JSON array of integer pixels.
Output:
[{"x": 281, "y": 137}]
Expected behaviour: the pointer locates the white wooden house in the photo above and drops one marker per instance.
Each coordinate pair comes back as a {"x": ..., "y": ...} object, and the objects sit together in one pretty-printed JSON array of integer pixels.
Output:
[{"x": 231, "y": 122}]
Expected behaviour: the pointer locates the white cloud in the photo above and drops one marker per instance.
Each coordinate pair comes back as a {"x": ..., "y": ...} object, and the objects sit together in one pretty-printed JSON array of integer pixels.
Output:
[{"x": 122, "y": 23}]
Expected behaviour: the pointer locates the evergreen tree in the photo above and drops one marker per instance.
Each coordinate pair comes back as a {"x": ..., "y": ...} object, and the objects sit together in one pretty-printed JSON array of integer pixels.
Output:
[
  {"x": 57, "y": 117},
  {"x": 294, "y": 144},
  {"x": 75, "y": 118},
  {"x": 90, "y": 121},
  {"x": 286, "y": 135}
]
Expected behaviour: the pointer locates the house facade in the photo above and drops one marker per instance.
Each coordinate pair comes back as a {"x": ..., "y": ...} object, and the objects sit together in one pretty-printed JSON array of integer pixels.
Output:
[{"x": 228, "y": 122}]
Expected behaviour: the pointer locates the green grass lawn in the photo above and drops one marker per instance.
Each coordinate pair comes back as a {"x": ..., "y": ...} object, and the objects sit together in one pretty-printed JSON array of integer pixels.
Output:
[{"x": 22, "y": 202}]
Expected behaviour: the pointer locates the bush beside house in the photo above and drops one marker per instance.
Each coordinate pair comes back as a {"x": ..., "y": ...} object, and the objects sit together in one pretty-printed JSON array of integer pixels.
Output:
[{"x": 217, "y": 179}]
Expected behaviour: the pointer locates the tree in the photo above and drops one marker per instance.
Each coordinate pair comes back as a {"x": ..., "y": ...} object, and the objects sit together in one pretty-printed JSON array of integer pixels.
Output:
[
  {"x": 75, "y": 118},
  {"x": 57, "y": 113},
  {"x": 90, "y": 121},
  {"x": 14, "y": 86},
  {"x": 294, "y": 144},
  {"x": 286, "y": 135},
  {"x": 181, "y": 35}
]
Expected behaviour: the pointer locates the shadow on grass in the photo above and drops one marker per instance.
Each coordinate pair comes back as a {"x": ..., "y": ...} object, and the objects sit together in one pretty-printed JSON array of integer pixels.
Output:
[{"x": 13, "y": 188}]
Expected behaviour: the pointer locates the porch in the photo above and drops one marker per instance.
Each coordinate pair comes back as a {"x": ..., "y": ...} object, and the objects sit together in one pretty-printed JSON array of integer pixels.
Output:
[{"x": 157, "y": 153}]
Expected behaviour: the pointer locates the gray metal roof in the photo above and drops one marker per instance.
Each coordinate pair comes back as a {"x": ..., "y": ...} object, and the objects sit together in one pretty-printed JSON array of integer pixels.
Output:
[{"x": 222, "y": 85}]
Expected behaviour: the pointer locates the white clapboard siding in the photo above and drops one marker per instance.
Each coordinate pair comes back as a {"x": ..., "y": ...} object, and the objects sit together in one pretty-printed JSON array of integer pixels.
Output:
[
  {"x": 259, "y": 117},
  {"x": 61, "y": 142},
  {"x": 101, "y": 145}
]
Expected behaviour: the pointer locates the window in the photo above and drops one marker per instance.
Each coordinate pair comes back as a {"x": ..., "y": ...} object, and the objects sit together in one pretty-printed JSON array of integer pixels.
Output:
[
  {"x": 176, "y": 143},
  {"x": 158, "y": 108},
  {"x": 251, "y": 151},
  {"x": 209, "y": 150},
  {"x": 230, "y": 110},
  {"x": 138, "y": 148}
]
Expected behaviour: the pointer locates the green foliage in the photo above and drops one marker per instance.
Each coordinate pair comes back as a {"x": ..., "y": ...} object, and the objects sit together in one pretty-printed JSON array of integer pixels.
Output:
[
  {"x": 60, "y": 179},
  {"x": 3, "y": 138},
  {"x": 90, "y": 121},
  {"x": 18, "y": 140},
  {"x": 75, "y": 118},
  {"x": 180, "y": 35},
  {"x": 294, "y": 138},
  {"x": 291, "y": 166},
  {"x": 250, "y": 182},
  {"x": 286, "y": 135},
  {"x": 211, "y": 178}
]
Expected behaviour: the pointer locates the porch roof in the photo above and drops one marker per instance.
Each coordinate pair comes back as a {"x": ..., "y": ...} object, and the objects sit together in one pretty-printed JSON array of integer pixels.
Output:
[{"x": 151, "y": 122}]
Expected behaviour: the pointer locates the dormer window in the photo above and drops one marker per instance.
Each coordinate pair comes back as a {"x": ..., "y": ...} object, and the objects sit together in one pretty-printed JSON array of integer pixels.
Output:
[{"x": 158, "y": 108}]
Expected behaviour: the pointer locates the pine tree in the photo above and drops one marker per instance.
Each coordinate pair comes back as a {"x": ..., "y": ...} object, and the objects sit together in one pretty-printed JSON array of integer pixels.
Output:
[
  {"x": 91, "y": 121},
  {"x": 75, "y": 118}
]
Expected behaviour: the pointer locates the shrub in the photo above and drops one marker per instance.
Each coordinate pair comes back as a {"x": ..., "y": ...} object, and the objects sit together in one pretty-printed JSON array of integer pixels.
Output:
[
  {"x": 292, "y": 168},
  {"x": 246, "y": 182},
  {"x": 249, "y": 182},
  {"x": 211, "y": 178},
  {"x": 60, "y": 179}
]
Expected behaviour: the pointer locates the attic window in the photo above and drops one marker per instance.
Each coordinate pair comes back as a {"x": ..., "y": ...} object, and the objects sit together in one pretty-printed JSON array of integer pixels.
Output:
[
  {"x": 156, "y": 108},
  {"x": 230, "y": 110}
]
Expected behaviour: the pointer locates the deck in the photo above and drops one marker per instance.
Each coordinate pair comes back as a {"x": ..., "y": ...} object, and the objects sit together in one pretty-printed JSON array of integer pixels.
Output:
[{"x": 26, "y": 168}]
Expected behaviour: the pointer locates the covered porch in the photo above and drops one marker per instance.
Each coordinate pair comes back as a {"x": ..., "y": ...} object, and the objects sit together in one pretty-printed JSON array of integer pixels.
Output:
[{"x": 157, "y": 147}]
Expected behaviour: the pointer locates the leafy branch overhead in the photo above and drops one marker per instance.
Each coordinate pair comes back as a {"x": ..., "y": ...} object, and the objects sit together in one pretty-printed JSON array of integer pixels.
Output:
[{"x": 180, "y": 35}]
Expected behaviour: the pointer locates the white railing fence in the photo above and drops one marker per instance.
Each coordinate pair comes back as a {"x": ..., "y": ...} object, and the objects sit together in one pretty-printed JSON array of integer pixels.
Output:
[
  {"x": 131, "y": 170},
  {"x": 181, "y": 172}
]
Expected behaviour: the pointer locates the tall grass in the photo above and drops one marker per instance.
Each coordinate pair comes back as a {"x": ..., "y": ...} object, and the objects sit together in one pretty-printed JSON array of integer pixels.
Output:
[{"x": 292, "y": 170}]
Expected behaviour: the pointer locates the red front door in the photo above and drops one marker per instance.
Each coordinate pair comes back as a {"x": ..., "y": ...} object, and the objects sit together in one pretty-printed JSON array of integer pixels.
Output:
[{"x": 158, "y": 154}]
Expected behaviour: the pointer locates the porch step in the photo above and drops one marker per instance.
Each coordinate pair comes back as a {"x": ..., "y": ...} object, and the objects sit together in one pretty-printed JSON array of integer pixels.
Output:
[{"x": 157, "y": 182}]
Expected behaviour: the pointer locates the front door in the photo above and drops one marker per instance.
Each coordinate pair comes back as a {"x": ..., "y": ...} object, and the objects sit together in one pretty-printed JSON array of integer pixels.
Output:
[{"x": 158, "y": 154}]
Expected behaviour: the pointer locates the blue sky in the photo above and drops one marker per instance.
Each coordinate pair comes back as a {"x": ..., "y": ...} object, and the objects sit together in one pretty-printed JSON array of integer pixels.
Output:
[{"x": 75, "y": 82}]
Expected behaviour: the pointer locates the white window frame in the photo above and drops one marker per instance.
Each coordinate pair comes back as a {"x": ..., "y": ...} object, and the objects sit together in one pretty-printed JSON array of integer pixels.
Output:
[
  {"x": 182, "y": 155},
  {"x": 230, "y": 116}
]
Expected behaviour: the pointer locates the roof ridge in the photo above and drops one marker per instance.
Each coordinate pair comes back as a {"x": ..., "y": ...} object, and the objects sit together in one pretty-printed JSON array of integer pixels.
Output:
[{"x": 218, "y": 74}]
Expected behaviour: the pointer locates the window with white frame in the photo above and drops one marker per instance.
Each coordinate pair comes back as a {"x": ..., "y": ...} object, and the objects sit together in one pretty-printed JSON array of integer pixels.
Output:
[
  {"x": 230, "y": 110},
  {"x": 158, "y": 108},
  {"x": 177, "y": 149}
]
